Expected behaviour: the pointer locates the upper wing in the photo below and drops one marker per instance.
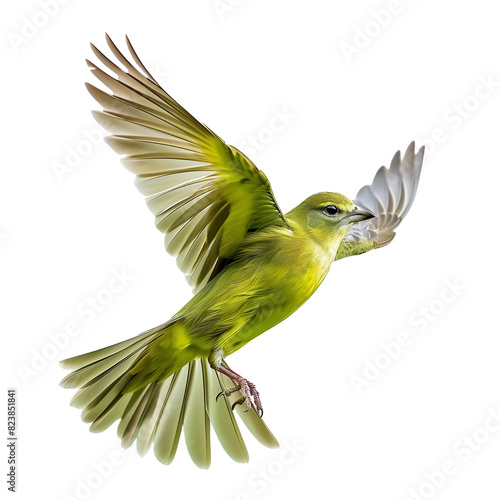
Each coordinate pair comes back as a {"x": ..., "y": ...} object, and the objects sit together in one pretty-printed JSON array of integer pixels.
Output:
[
  {"x": 205, "y": 194},
  {"x": 390, "y": 197}
]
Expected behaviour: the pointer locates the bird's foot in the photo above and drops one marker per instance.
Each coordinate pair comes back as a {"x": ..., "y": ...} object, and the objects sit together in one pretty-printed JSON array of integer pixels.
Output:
[{"x": 249, "y": 395}]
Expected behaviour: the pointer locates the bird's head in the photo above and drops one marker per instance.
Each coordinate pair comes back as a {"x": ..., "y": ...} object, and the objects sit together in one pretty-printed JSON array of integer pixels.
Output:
[{"x": 328, "y": 216}]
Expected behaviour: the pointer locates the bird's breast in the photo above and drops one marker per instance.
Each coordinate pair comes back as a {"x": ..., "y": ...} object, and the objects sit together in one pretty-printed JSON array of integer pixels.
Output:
[{"x": 273, "y": 283}]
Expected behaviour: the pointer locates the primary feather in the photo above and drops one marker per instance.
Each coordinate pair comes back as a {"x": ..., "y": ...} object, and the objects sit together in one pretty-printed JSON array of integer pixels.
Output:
[
  {"x": 390, "y": 197},
  {"x": 205, "y": 194}
]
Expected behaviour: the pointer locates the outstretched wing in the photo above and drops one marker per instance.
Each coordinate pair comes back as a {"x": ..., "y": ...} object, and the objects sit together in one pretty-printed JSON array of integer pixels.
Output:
[
  {"x": 205, "y": 194},
  {"x": 390, "y": 197}
]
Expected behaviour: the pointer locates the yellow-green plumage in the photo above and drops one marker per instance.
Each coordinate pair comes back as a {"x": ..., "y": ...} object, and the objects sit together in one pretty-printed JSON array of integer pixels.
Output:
[
  {"x": 250, "y": 266},
  {"x": 273, "y": 272}
]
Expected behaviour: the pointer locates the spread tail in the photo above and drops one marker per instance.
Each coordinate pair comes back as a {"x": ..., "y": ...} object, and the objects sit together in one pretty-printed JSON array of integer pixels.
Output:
[{"x": 157, "y": 411}]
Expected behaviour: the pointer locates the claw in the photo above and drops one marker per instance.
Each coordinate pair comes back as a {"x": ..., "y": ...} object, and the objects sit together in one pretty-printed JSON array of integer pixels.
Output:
[
  {"x": 249, "y": 394},
  {"x": 256, "y": 399},
  {"x": 238, "y": 402},
  {"x": 228, "y": 393}
]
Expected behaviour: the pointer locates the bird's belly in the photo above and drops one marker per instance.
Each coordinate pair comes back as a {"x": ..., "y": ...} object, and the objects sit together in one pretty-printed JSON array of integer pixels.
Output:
[
  {"x": 279, "y": 297},
  {"x": 253, "y": 294}
]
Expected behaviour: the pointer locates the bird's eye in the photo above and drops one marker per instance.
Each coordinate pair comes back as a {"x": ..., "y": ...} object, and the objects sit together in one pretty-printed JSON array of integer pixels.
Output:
[{"x": 331, "y": 210}]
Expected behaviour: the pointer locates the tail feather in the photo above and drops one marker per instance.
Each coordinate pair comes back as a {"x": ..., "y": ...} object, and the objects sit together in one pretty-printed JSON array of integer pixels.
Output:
[
  {"x": 110, "y": 397},
  {"x": 110, "y": 415},
  {"x": 170, "y": 422},
  {"x": 133, "y": 415},
  {"x": 223, "y": 421},
  {"x": 87, "y": 366},
  {"x": 101, "y": 383},
  {"x": 149, "y": 426},
  {"x": 251, "y": 419},
  {"x": 157, "y": 412},
  {"x": 196, "y": 419},
  {"x": 86, "y": 359},
  {"x": 92, "y": 371}
]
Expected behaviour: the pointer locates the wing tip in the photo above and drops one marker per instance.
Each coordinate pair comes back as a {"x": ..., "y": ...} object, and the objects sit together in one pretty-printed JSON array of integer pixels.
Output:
[{"x": 388, "y": 237}]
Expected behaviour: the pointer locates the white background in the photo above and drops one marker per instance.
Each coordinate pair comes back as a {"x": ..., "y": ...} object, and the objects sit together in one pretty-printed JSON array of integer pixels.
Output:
[{"x": 233, "y": 67}]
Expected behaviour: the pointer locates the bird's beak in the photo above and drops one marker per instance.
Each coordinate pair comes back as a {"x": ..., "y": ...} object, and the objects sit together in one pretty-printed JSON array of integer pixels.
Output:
[{"x": 359, "y": 214}]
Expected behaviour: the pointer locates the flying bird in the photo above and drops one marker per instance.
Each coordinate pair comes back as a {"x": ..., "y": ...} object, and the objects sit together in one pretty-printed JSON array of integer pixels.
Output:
[{"x": 249, "y": 264}]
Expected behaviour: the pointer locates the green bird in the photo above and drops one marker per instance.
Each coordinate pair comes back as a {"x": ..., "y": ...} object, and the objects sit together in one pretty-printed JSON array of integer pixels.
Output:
[{"x": 249, "y": 264}]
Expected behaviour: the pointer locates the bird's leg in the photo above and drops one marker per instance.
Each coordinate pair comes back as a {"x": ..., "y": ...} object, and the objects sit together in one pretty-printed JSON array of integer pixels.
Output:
[{"x": 249, "y": 394}]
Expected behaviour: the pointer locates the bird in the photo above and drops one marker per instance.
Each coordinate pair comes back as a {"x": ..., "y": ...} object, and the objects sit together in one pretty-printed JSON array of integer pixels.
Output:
[{"x": 249, "y": 264}]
